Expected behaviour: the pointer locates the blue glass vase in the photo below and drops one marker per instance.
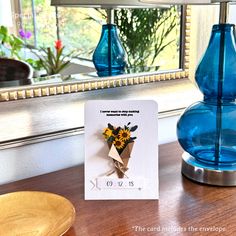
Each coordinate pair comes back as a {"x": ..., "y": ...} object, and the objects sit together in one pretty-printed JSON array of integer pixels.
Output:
[
  {"x": 207, "y": 129},
  {"x": 109, "y": 56}
]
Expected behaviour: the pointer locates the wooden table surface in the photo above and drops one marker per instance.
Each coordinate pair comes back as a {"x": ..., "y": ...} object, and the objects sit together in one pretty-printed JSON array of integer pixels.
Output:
[{"x": 184, "y": 208}]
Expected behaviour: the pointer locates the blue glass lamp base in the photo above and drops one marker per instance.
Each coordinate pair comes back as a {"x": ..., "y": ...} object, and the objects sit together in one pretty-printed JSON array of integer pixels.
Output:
[
  {"x": 105, "y": 73},
  {"x": 208, "y": 174},
  {"x": 109, "y": 57}
]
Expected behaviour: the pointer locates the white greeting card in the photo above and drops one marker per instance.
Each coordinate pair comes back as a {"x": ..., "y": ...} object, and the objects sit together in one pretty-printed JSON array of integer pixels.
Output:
[{"x": 121, "y": 150}]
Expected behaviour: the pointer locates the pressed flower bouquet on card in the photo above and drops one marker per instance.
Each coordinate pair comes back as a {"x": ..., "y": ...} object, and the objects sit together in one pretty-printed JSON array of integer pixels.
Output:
[
  {"x": 117, "y": 164},
  {"x": 120, "y": 144}
]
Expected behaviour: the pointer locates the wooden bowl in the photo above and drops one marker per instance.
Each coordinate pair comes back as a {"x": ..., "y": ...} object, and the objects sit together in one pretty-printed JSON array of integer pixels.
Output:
[{"x": 35, "y": 214}]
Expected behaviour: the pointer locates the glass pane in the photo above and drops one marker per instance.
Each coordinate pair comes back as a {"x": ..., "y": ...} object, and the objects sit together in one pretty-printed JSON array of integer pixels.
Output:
[
  {"x": 151, "y": 37},
  {"x": 45, "y": 21},
  {"x": 27, "y": 18},
  {"x": 80, "y": 28},
  {"x": 232, "y": 14}
]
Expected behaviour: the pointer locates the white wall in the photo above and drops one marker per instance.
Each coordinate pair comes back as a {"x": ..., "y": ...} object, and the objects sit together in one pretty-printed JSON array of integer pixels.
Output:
[
  {"x": 5, "y": 13},
  {"x": 40, "y": 158},
  {"x": 202, "y": 19}
]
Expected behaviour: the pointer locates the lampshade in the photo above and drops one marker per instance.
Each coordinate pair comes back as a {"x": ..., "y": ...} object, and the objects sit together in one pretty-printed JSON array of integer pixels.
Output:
[
  {"x": 104, "y": 3},
  {"x": 182, "y": 2},
  {"x": 5, "y": 13}
]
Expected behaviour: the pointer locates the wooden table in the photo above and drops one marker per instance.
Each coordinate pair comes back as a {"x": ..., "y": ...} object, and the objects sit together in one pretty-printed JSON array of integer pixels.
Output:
[{"x": 183, "y": 205}]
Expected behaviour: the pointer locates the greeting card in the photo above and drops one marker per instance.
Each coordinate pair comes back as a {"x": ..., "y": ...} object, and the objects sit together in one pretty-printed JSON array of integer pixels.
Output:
[{"x": 121, "y": 150}]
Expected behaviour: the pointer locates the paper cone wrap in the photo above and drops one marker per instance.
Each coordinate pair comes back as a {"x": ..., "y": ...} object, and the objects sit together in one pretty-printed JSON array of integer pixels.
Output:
[{"x": 121, "y": 161}]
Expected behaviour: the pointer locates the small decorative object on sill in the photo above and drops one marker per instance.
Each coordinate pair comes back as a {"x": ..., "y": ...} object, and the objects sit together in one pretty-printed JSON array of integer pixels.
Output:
[
  {"x": 207, "y": 129},
  {"x": 120, "y": 143}
]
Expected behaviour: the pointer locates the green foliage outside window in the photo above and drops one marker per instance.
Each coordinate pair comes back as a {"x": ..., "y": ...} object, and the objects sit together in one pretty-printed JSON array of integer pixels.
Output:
[
  {"x": 150, "y": 36},
  {"x": 145, "y": 33}
]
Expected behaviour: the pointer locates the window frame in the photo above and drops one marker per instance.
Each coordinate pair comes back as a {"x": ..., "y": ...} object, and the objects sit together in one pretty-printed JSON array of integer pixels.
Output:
[{"x": 34, "y": 91}]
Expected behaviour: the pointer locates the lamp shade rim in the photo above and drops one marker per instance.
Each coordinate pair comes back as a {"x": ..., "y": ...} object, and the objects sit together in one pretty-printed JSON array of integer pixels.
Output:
[
  {"x": 132, "y": 3},
  {"x": 106, "y": 4},
  {"x": 187, "y": 2}
]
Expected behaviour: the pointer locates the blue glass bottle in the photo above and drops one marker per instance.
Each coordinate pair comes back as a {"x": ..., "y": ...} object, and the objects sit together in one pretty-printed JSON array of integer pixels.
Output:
[
  {"x": 109, "y": 56},
  {"x": 207, "y": 129}
]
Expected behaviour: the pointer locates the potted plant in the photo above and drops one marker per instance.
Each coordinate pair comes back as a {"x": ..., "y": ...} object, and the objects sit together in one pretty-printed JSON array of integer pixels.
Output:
[{"x": 53, "y": 60}]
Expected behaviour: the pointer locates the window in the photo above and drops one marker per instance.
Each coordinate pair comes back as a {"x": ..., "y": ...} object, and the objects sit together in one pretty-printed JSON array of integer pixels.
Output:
[
  {"x": 151, "y": 37},
  {"x": 232, "y": 14}
]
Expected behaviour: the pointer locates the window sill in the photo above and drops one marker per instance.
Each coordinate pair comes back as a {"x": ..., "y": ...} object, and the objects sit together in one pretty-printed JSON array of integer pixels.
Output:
[{"x": 58, "y": 116}]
